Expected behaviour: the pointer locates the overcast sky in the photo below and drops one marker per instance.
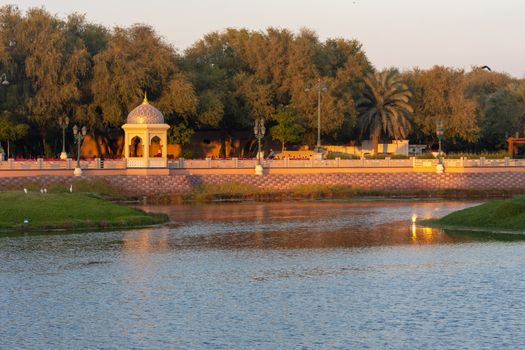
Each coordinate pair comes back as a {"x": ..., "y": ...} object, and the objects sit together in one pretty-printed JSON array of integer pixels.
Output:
[{"x": 399, "y": 33}]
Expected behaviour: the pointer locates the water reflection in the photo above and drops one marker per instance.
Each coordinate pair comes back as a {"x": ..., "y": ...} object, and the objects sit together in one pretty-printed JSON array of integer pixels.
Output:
[{"x": 298, "y": 225}]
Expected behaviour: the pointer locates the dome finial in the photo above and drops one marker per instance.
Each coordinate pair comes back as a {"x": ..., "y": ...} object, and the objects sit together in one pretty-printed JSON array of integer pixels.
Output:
[{"x": 145, "y": 98}]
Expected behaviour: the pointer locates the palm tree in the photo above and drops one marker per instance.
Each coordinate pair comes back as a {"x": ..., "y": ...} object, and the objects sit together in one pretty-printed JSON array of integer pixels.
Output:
[{"x": 384, "y": 107}]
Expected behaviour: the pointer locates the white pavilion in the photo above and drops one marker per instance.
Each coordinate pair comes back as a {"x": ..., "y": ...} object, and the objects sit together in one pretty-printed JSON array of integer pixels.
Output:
[{"x": 146, "y": 142}]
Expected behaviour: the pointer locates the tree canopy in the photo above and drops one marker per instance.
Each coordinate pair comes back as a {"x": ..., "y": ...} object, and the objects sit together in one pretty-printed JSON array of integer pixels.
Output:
[{"x": 95, "y": 75}]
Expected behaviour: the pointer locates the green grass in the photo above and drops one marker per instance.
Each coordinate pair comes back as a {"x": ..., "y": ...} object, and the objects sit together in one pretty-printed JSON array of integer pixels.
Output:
[
  {"x": 96, "y": 187},
  {"x": 226, "y": 191},
  {"x": 233, "y": 191},
  {"x": 507, "y": 214},
  {"x": 67, "y": 210}
]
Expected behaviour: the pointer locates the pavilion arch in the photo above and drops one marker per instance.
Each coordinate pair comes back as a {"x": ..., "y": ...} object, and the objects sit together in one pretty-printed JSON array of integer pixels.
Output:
[
  {"x": 136, "y": 148},
  {"x": 155, "y": 147}
]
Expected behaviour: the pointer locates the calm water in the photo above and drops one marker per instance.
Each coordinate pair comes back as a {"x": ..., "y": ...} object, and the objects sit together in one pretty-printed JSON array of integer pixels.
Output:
[{"x": 266, "y": 276}]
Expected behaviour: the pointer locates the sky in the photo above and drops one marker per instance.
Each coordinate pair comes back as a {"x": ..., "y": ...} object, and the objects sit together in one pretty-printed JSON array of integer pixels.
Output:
[{"x": 394, "y": 33}]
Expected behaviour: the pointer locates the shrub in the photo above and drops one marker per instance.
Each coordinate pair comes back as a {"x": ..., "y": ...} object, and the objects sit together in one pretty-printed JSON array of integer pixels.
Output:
[
  {"x": 341, "y": 155},
  {"x": 425, "y": 156},
  {"x": 190, "y": 154}
]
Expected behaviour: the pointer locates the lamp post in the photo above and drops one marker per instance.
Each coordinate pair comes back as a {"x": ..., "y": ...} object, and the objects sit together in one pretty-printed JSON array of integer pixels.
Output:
[
  {"x": 320, "y": 87},
  {"x": 259, "y": 130},
  {"x": 79, "y": 137},
  {"x": 440, "y": 131},
  {"x": 3, "y": 79},
  {"x": 4, "y": 82},
  {"x": 63, "y": 122}
]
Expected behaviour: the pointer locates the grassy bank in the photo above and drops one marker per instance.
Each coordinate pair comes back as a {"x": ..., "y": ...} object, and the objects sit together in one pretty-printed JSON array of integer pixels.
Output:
[
  {"x": 507, "y": 214},
  {"x": 244, "y": 192},
  {"x": 67, "y": 210}
]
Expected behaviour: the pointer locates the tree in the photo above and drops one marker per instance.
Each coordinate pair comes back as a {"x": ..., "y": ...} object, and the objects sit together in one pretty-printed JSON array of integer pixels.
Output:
[
  {"x": 498, "y": 106},
  {"x": 54, "y": 63},
  {"x": 504, "y": 115},
  {"x": 439, "y": 95},
  {"x": 287, "y": 128},
  {"x": 137, "y": 60},
  {"x": 385, "y": 107},
  {"x": 11, "y": 130}
]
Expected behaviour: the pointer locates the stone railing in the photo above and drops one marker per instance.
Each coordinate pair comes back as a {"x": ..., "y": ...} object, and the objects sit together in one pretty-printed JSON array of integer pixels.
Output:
[
  {"x": 239, "y": 163},
  {"x": 41, "y": 164}
]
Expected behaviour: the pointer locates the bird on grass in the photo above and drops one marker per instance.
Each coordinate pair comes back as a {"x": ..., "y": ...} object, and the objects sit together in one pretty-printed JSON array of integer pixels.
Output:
[
  {"x": 25, "y": 190},
  {"x": 26, "y": 221},
  {"x": 71, "y": 188},
  {"x": 41, "y": 190}
]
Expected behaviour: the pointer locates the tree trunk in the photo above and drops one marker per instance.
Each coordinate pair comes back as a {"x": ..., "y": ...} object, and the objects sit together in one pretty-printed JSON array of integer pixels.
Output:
[
  {"x": 282, "y": 149},
  {"x": 98, "y": 139},
  {"x": 8, "y": 150},
  {"x": 375, "y": 143}
]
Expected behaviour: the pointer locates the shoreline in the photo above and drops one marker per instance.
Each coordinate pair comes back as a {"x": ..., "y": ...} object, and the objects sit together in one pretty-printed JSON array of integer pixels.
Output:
[
  {"x": 504, "y": 216},
  {"x": 31, "y": 212},
  {"x": 217, "y": 195}
]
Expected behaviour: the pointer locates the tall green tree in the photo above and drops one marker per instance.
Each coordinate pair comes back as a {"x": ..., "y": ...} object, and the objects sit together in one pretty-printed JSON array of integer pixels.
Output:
[
  {"x": 137, "y": 60},
  {"x": 54, "y": 66},
  {"x": 11, "y": 130},
  {"x": 385, "y": 108},
  {"x": 439, "y": 95},
  {"x": 287, "y": 128},
  {"x": 504, "y": 115}
]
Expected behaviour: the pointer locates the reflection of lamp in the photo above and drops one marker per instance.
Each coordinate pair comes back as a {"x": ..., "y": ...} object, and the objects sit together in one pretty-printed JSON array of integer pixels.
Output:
[{"x": 79, "y": 136}]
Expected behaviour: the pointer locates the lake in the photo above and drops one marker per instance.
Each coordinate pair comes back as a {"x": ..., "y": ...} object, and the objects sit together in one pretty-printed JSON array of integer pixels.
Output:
[{"x": 290, "y": 275}]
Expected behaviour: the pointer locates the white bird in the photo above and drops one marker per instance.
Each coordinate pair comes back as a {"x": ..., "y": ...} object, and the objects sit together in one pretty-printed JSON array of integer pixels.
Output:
[
  {"x": 71, "y": 188},
  {"x": 41, "y": 190},
  {"x": 45, "y": 190},
  {"x": 25, "y": 190},
  {"x": 26, "y": 221}
]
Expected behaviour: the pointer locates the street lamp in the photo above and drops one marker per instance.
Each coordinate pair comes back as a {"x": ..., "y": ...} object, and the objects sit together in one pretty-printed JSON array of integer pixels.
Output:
[
  {"x": 79, "y": 137},
  {"x": 320, "y": 87},
  {"x": 3, "y": 79},
  {"x": 259, "y": 130},
  {"x": 440, "y": 131},
  {"x": 63, "y": 122},
  {"x": 4, "y": 82}
]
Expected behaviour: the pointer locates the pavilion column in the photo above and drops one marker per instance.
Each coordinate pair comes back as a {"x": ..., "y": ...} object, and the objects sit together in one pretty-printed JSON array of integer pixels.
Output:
[
  {"x": 126, "y": 145},
  {"x": 146, "y": 148},
  {"x": 164, "y": 144}
]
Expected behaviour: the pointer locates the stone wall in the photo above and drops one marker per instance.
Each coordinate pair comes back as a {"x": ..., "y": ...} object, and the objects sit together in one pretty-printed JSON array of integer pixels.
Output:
[{"x": 173, "y": 184}]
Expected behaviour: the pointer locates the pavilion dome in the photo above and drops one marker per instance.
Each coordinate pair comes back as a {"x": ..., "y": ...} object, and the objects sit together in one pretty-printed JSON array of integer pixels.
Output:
[{"x": 145, "y": 114}]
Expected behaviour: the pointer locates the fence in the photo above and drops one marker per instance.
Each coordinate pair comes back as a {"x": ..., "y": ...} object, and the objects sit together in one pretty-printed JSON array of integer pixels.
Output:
[{"x": 239, "y": 163}]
